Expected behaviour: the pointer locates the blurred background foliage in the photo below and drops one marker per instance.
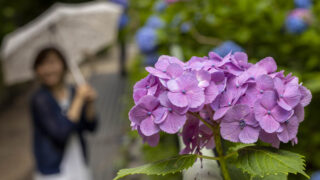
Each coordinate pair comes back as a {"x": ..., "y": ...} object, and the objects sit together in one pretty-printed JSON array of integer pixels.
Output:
[{"x": 195, "y": 27}]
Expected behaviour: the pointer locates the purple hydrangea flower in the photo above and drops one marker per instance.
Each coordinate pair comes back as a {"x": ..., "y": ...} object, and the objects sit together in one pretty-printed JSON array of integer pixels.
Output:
[
  {"x": 248, "y": 101},
  {"x": 185, "y": 92},
  {"x": 269, "y": 113},
  {"x": 306, "y": 96},
  {"x": 145, "y": 113},
  {"x": 227, "y": 98},
  {"x": 289, "y": 94},
  {"x": 195, "y": 136},
  {"x": 238, "y": 63},
  {"x": 152, "y": 140},
  {"x": 173, "y": 118},
  {"x": 167, "y": 68},
  {"x": 271, "y": 138},
  {"x": 216, "y": 85},
  {"x": 264, "y": 66},
  {"x": 289, "y": 129},
  {"x": 146, "y": 86},
  {"x": 215, "y": 62},
  {"x": 239, "y": 125}
]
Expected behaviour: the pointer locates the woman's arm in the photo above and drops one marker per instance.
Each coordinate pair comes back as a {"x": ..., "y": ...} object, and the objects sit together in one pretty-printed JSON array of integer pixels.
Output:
[
  {"x": 90, "y": 111},
  {"x": 89, "y": 119},
  {"x": 84, "y": 95},
  {"x": 74, "y": 112},
  {"x": 53, "y": 122}
]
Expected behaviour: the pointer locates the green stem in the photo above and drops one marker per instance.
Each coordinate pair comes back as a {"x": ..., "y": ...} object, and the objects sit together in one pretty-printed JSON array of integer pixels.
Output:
[
  {"x": 217, "y": 138},
  {"x": 222, "y": 160},
  {"x": 230, "y": 154},
  {"x": 208, "y": 157}
]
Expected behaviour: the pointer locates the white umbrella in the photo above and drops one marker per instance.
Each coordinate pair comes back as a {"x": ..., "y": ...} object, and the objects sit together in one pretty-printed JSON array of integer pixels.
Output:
[{"x": 78, "y": 29}]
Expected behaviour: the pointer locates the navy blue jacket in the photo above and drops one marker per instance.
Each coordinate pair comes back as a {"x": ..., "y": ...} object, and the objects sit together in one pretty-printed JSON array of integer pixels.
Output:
[{"x": 51, "y": 130}]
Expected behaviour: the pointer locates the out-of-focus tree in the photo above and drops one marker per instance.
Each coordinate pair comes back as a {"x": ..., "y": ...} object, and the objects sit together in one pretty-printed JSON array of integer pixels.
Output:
[{"x": 14, "y": 14}]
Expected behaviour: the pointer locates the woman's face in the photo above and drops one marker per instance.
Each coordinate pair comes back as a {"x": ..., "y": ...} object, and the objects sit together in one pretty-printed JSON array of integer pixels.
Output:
[{"x": 50, "y": 71}]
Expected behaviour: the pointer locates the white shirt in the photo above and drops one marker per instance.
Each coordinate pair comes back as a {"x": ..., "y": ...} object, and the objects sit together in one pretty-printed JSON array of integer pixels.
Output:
[{"x": 73, "y": 166}]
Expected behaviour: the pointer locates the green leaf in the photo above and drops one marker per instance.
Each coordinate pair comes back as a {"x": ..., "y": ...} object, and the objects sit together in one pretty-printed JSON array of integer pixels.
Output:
[
  {"x": 172, "y": 165},
  {"x": 272, "y": 177},
  {"x": 236, "y": 173},
  {"x": 262, "y": 161},
  {"x": 238, "y": 146}
]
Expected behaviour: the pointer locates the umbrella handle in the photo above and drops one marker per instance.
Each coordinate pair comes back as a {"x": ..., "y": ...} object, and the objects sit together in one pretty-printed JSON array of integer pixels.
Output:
[{"x": 76, "y": 73}]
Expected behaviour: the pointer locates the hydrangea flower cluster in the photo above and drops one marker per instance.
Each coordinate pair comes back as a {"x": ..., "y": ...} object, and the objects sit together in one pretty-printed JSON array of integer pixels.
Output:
[
  {"x": 123, "y": 3},
  {"x": 298, "y": 21},
  {"x": 303, "y": 3},
  {"x": 147, "y": 38},
  {"x": 227, "y": 46},
  {"x": 155, "y": 22},
  {"x": 124, "y": 19},
  {"x": 248, "y": 101},
  {"x": 185, "y": 27},
  {"x": 160, "y": 6}
]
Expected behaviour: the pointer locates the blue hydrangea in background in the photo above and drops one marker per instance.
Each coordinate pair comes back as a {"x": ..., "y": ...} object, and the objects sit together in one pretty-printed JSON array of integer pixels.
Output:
[
  {"x": 303, "y": 3},
  {"x": 160, "y": 6},
  {"x": 198, "y": 16},
  {"x": 176, "y": 20},
  {"x": 185, "y": 27},
  {"x": 155, "y": 22},
  {"x": 295, "y": 25},
  {"x": 146, "y": 39},
  {"x": 227, "y": 47},
  {"x": 298, "y": 20},
  {"x": 315, "y": 176},
  {"x": 123, "y": 3},
  {"x": 151, "y": 58},
  {"x": 123, "y": 21}
]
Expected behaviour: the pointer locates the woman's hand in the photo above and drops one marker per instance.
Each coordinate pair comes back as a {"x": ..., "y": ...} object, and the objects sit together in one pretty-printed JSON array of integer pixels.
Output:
[{"x": 86, "y": 93}]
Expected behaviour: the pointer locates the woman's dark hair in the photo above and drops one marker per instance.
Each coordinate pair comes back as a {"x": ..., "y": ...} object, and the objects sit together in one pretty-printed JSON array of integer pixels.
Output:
[{"x": 43, "y": 54}]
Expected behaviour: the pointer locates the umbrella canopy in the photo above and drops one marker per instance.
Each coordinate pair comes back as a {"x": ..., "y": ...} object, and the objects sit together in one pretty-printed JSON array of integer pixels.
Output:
[{"x": 77, "y": 29}]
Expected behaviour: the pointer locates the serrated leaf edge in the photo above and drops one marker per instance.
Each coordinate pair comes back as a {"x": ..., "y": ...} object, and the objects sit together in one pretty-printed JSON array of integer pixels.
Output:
[
  {"x": 254, "y": 175},
  {"x": 173, "y": 172}
]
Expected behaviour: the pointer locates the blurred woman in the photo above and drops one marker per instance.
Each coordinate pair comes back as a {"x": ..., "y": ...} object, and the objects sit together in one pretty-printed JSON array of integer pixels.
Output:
[{"x": 61, "y": 114}]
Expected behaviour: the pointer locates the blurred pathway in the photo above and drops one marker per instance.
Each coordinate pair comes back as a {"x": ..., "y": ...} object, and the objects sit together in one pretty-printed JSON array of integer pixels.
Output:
[
  {"x": 106, "y": 142},
  {"x": 15, "y": 141},
  {"x": 15, "y": 129}
]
